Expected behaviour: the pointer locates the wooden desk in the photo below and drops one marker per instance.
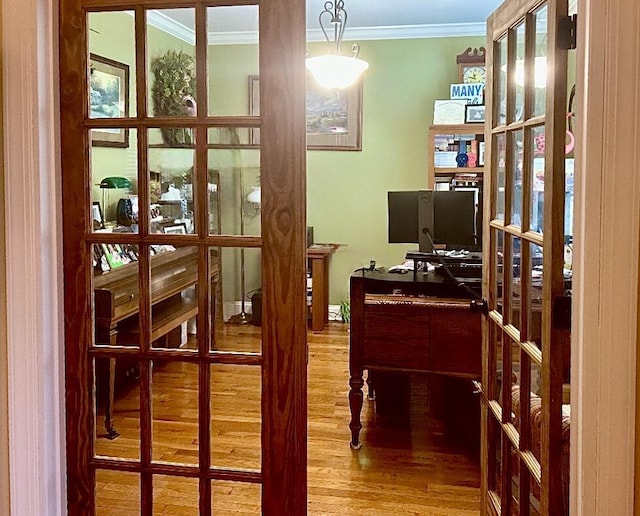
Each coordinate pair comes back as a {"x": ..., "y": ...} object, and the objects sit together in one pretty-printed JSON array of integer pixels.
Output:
[
  {"x": 318, "y": 256},
  {"x": 398, "y": 324},
  {"x": 117, "y": 304}
]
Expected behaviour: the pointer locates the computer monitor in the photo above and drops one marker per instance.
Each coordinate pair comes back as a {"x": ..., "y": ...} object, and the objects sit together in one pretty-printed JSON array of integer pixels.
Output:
[
  {"x": 403, "y": 217},
  {"x": 451, "y": 219}
]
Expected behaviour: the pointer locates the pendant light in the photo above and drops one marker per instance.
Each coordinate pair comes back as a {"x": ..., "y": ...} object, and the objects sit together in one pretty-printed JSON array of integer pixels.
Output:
[{"x": 333, "y": 70}]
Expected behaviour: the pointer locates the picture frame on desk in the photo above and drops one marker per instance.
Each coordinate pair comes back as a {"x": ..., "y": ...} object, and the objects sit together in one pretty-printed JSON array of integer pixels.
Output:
[
  {"x": 175, "y": 229},
  {"x": 474, "y": 114},
  {"x": 96, "y": 215}
]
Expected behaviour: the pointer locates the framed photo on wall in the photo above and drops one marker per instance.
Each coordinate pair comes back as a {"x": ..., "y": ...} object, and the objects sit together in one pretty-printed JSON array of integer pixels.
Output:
[
  {"x": 334, "y": 117},
  {"x": 108, "y": 98}
]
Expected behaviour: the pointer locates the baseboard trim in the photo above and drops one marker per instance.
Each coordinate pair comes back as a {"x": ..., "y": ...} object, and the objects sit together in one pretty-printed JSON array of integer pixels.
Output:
[{"x": 231, "y": 308}]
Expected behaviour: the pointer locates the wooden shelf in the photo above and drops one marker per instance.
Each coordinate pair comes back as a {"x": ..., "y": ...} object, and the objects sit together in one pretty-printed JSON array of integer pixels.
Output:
[
  {"x": 460, "y": 129},
  {"x": 457, "y": 129},
  {"x": 458, "y": 170}
]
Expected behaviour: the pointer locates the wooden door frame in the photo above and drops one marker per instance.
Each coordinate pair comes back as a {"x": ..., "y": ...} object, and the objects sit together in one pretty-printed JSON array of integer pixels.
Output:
[
  {"x": 29, "y": 54},
  {"x": 33, "y": 274},
  {"x": 605, "y": 295}
]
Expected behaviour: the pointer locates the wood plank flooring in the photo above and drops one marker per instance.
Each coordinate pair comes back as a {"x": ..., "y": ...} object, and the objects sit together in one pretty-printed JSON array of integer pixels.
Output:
[{"x": 414, "y": 467}]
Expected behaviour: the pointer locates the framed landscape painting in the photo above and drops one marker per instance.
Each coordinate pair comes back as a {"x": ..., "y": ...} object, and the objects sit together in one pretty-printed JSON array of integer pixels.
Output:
[
  {"x": 108, "y": 98},
  {"x": 334, "y": 117}
]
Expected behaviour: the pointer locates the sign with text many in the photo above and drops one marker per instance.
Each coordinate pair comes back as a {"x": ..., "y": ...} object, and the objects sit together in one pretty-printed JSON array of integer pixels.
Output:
[{"x": 471, "y": 92}]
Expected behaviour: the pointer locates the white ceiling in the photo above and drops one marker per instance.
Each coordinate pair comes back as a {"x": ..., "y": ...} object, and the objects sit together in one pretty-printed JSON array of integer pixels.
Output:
[{"x": 367, "y": 19}]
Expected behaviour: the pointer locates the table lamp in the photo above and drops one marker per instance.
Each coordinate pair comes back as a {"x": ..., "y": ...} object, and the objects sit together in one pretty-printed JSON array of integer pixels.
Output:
[{"x": 109, "y": 183}]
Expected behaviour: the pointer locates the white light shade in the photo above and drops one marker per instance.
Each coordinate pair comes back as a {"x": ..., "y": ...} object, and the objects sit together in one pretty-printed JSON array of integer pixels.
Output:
[
  {"x": 336, "y": 72},
  {"x": 254, "y": 195}
]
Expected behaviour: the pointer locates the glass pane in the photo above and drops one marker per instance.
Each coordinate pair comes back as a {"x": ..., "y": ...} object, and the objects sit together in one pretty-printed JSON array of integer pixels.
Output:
[
  {"x": 241, "y": 295},
  {"x": 497, "y": 248},
  {"x": 117, "y": 492},
  {"x": 501, "y": 85},
  {"x": 540, "y": 64},
  {"x": 112, "y": 78},
  {"x": 232, "y": 58},
  {"x": 233, "y": 137},
  {"x": 117, "y": 408},
  {"x": 536, "y": 379},
  {"x": 238, "y": 191},
  {"x": 496, "y": 363},
  {"x": 537, "y": 180},
  {"x": 175, "y": 495},
  {"x": 114, "y": 180},
  {"x": 516, "y": 372},
  {"x": 174, "y": 403},
  {"x": 236, "y": 418},
  {"x": 500, "y": 152},
  {"x": 515, "y": 303},
  {"x": 174, "y": 296},
  {"x": 115, "y": 286},
  {"x": 495, "y": 457},
  {"x": 171, "y": 182},
  {"x": 535, "y": 296},
  {"x": 171, "y": 77},
  {"x": 534, "y": 497},
  {"x": 515, "y": 481},
  {"x": 569, "y": 164},
  {"x": 520, "y": 73},
  {"x": 515, "y": 174},
  {"x": 235, "y": 498}
]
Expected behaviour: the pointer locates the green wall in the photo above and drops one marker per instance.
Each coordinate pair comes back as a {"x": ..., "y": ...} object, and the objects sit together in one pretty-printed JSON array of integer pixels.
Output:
[{"x": 347, "y": 191}]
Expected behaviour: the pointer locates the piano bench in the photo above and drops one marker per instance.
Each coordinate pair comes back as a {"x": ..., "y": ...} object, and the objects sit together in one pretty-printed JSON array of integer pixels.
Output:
[{"x": 166, "y": 317}]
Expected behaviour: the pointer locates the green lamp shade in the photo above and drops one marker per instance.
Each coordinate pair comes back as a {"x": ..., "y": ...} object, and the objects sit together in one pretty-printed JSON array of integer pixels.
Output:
[{"x": 115, "y": 182}]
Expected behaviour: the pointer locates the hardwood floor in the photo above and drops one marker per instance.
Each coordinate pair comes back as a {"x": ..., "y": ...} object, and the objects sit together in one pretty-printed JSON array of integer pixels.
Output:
[{"x": 415, "y": 466}]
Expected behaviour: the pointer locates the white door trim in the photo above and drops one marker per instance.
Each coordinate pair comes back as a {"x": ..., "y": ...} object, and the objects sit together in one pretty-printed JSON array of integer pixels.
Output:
[
  {"x": 35, "y": 355},
  {"x": 605, "y": 294}
]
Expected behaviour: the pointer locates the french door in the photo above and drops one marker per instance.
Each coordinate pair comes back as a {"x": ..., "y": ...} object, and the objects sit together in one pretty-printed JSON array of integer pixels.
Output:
[
  {"x": 524, "y": 444},
  {"x": 171, "y": 409}
]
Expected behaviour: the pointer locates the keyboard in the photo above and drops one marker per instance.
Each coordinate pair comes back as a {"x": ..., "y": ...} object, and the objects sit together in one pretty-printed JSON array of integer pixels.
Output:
[{"x": 464, "y": 270}]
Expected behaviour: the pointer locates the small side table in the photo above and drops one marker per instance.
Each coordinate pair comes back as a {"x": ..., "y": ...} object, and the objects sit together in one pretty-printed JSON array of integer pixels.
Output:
[{"x": 319, "y": 255}]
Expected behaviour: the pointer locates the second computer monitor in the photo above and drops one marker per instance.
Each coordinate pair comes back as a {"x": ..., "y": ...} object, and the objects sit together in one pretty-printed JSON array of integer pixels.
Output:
[{"x": 449, "y": 218}]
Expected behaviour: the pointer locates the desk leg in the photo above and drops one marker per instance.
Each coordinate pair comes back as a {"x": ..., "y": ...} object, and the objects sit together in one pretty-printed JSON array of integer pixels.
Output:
[
  {"x": 319, "y": 292},
  {"x": 356, "y": 360},
  {"x": 355, "y": 406},
  {"x": 111, "y": 386},
  {"x": 108, "y": 410}
]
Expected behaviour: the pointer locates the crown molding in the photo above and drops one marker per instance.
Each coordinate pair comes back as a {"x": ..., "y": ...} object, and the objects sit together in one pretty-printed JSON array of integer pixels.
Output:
[
  {"x": 163, "y": 22},
  {"x": 442, "y": 30},
  {"x": 180, "y": 31}
]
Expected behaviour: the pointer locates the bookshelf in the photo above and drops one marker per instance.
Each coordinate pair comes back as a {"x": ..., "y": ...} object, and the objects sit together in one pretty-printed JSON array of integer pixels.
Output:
[{"x": 444, "y": 146}]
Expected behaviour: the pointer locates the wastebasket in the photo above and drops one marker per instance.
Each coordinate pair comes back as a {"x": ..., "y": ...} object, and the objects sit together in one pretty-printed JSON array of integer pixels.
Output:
[{"x": 256, "y": 307}]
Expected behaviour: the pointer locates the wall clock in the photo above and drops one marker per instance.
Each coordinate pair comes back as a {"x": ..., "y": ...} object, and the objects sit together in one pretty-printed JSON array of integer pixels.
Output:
[{"x": 471, "y": 66}]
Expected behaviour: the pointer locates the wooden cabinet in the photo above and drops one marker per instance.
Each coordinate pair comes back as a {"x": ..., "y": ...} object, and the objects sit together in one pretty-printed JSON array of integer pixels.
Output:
[{"x": 445, "y": 143}]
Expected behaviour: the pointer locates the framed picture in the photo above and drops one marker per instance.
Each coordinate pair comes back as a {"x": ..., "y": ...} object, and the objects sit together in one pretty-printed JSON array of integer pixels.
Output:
[
  {"x": 481, "y": 154},
  {"x": 474, "y": 113},
  {"x": 175, "y": 229},
  {"x": 96, "y": 215},
  {"x": 334, "y": 117},
  {"x": 108, "y": 98}
]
